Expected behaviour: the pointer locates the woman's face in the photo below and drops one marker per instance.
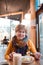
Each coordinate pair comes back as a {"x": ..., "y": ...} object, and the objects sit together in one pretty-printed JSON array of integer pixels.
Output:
[{"x": 20, "y": 34}]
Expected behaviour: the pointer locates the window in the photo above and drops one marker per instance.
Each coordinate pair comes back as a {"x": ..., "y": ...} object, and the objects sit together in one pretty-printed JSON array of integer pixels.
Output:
[{"x": 7, "y": 28}]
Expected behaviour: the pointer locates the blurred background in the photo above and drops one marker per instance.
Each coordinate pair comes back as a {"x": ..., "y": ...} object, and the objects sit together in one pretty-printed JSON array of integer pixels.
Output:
[{"x": 26, "y": 12}]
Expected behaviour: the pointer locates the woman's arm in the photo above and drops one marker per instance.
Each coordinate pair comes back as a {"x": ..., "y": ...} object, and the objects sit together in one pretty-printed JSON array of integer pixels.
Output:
[
  {"x": 33, "y": 49},
  {"x": 8, "y": 50},
  {"x": 31, "y": 46}
]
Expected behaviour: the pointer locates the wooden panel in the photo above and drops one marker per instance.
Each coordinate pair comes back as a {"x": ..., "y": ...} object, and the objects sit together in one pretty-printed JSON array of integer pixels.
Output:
[{"x": 13, "y": 5}]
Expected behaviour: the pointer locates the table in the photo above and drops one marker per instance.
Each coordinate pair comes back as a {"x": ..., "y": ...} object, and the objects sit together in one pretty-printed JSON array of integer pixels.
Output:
[
  {"x": 35, "y": 62},
  {"x": 40, "y": 62}
]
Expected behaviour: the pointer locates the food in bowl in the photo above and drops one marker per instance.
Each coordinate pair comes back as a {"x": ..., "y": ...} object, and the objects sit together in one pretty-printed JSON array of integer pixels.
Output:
[{"x": 27, "y": 59}]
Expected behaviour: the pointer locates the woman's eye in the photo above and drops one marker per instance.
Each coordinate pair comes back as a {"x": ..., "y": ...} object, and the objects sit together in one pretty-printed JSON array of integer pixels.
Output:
[{"x": 22, "y": 32}]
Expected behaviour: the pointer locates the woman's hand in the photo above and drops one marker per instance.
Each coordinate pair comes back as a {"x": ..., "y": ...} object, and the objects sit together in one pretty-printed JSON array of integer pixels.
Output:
[
  {"x": 11, "y": 56},
  {"x": 37, "y": 55}
]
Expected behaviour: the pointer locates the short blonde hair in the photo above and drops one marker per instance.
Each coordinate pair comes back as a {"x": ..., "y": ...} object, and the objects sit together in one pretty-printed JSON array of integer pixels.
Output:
[{"x": 20, "y": 27}]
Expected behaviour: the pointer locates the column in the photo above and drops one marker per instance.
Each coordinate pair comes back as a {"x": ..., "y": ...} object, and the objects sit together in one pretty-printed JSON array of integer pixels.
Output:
[{"x": 33, "y": 22}]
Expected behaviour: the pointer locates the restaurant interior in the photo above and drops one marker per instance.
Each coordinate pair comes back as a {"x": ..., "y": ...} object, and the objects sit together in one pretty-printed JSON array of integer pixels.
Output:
[{"x": 27, "y": 12}]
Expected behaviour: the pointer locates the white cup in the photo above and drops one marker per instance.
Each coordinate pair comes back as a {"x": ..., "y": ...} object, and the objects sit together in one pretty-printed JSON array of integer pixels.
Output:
[{"x": 17, "y": 59}]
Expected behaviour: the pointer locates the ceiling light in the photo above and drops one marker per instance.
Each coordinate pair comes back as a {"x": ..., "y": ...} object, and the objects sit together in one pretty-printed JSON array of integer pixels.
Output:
[{"x": 27, "y": 16}]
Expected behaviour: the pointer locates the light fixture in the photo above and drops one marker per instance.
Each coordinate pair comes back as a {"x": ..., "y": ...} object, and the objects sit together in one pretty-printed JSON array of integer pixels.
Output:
[
  {"x": 27, "y": 20},
  {"x": 6, "y": 8},
  {"x": 27, "y": 16},
  {"x": 6, "y": 5}
]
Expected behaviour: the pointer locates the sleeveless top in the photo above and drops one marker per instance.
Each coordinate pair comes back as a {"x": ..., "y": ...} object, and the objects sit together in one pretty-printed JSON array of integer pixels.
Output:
[{"x": 19, "y": 49}]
